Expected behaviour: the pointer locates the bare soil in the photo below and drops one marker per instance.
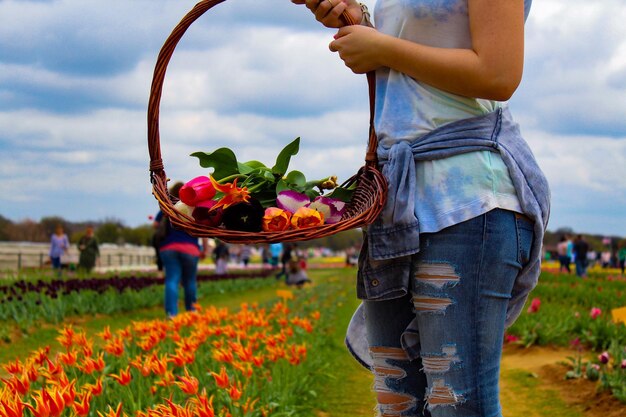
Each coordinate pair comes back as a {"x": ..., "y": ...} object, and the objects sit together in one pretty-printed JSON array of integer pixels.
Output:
[{"x": 577, "y": 397}]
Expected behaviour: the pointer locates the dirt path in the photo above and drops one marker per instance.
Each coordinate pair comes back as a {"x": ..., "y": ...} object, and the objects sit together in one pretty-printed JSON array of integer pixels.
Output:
[{"x": 533, "y": 385}]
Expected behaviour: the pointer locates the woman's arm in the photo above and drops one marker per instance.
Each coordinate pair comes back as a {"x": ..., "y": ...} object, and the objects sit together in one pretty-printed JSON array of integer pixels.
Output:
[{"x": 492, "y": 69}]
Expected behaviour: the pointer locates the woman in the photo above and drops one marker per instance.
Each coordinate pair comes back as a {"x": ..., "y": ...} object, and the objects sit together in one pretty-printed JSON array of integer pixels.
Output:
[
  {"x": 89, "y": 249},
  {"x": 59, "y": 245},
  {"x": 457, "y": 248},
  {"x": 180, "y": 254}
]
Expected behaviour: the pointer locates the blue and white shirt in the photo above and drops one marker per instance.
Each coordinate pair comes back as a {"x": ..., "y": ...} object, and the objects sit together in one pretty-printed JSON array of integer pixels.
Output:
[{"x": 456, "y": 189}]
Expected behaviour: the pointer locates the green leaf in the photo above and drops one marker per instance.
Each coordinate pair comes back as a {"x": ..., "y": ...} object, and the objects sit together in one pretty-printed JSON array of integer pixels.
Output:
[
  {"x": 296, "y": 178},
  {"x": 343, "y": 194},
  {"x": 248, "y": 167},
  {"x": 311, "y": 193},
  {"x": 282, "y": 161},
  {"x": 222, "y": 160},
  {"x": 281, "y": 185}
]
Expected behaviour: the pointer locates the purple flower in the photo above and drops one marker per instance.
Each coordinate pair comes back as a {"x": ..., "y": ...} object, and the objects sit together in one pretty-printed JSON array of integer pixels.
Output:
[
  {"x": 331, "y": 209},
  {"x": 291, "y": 201}
]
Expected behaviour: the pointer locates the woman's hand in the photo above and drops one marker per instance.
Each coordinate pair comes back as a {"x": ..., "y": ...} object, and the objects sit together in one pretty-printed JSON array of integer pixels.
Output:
[
  {"x": 357, "y": 46},
  {"x": 328, "y": 12}
]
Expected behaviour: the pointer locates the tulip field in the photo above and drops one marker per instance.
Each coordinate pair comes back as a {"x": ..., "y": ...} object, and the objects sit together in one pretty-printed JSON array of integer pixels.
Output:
[{"x": 101, "y": 347}]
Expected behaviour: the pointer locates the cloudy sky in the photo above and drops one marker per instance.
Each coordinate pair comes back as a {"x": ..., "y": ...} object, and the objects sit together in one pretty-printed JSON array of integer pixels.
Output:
[{"x": 253, "y": 75}]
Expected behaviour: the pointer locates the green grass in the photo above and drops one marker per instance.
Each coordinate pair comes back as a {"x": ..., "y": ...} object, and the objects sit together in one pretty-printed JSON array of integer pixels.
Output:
[
  {"x": 347, "y": 392},
  {"x": 528, "y": 397}
]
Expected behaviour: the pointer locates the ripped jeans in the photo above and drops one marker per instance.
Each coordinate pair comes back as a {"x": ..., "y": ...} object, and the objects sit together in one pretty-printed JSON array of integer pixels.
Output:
[{"x": 451, "y": 323}]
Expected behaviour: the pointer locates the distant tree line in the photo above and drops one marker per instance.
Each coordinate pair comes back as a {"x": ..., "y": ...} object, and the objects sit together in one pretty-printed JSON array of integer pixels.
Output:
[{"x": 107, "y": 231}]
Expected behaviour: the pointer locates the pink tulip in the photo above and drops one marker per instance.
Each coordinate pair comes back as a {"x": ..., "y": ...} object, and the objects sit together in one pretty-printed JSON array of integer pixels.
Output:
[
  {"x": 534, "y": 305},
  {"x": 595, "y": 312},
  {"x": 197, "y": 190},
  {"x": 623, "y": 365},
  {"x": 604, "y": 357}
]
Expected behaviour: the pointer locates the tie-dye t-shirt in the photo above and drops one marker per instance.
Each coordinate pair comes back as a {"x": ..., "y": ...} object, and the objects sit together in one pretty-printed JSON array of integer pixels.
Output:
[{"x": 454, "y": 189}]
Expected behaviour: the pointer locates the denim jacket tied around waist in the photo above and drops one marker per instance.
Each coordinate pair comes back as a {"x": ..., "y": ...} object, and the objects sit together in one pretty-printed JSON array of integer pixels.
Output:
[{"x": 394, "y": 236}]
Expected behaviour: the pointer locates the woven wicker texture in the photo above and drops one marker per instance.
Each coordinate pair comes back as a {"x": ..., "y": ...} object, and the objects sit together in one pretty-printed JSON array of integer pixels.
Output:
[{"x": 365, "y": 206}]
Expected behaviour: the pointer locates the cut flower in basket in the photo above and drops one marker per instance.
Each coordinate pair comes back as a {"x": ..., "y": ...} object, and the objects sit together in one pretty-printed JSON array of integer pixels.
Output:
[{"x": 244, "y": 191}]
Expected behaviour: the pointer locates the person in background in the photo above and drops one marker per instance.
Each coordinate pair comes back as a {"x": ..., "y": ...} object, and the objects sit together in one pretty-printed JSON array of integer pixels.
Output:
[
  {"x": 296, "y": 271},
  {"x": 563, "y": 249},
  {"x": 581, "y": 247},
  {"x": 244, "y": 254},
  {"x": 276, "y": 249},
  {"x": 180, "y": 253},
  {"x": 265, "y": 255},
  {"x": 285, "y": 258},
  {"x": 59, "y": 245},
  {"x": 89, "y": 249},
  {"x": 621, "y": 255},
  {"x": 221, "y": 254}
]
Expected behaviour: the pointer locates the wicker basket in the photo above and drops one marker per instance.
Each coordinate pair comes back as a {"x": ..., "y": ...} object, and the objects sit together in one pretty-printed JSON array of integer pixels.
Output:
[{"x": 365, "y": 205}]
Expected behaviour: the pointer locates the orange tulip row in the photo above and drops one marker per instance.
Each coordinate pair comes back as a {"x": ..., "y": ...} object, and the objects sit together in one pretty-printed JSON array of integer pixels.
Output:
[{"x": 169, "y": 366}]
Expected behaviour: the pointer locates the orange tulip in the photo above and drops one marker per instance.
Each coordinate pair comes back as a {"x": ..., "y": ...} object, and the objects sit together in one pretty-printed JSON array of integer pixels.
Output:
[
  {"x": 276, "y": 220},
  {"x": 124, "y": 377},
  {"x": 68, "y": 358},
  {"x": 204, "y": 405},
  {"x": 20, "y": 384},
  {"x": 235, "y": 392},
  {"x": 88, "y": 366},
  {"x": 94, "y": 389},
  {"x": 81, "y": 407},
  {"x": 67, "y": 336},
  {"x": 106, "y": 333},
  {"x": 113, "y": 413},
  {"x": 47, "y": 404},
  {"x": 11, "y": 407},
  {"x": 14, "y": 367},
  {"x": 221, "y": 379},
  {"x": 115, "y": 346},
  {"x": 232, "y": 194},
  {"x": 188, "y": 383},
  {"x": 305, "y": 217}
]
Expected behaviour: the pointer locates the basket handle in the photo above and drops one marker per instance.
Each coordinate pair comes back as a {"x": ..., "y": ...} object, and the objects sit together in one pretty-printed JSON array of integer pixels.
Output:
[{"x": 156, "y": 89}]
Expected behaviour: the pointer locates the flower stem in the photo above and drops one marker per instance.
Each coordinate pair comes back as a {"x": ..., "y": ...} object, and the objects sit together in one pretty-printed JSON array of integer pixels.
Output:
[{"x": 231, "y": 178}]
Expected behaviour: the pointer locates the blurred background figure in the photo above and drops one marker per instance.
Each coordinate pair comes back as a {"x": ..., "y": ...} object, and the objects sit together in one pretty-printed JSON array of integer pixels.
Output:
[
  {"x": 276, "y": 249},
  {"x": 89, "y": 249},
  {"x": 244, "y": 254},
  {"x": 621, "y": 255},
  {"x": 180, "y": 253},
  {"x": 296, "y": 271},
  {"x": 221, "y": 254},
  {"x": 564, "y": 251},
  {"x": 59, "y": 245},
  {"x": 285, "y": 259},
  {"x": 581, "y": 247}
]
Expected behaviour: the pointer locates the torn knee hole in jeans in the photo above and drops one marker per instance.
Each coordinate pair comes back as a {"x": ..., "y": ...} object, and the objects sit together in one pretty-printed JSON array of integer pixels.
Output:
[
  {"x": 440, "y": 363},
  {"x": 438, "y": 274},
  {"x": 424, "y": 304},
  {"x": 390, "y": 403},
  {"x": 441, "y": 394}
]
